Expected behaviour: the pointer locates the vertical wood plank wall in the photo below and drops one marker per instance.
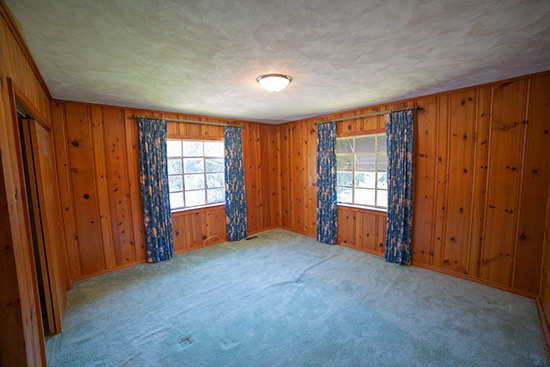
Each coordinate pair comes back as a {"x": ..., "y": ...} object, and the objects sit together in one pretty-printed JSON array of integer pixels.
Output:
[
  {"x": 22, "y": 339},
  {"x": 97, "y": 155},
  {"x": 481, "y": 173}
]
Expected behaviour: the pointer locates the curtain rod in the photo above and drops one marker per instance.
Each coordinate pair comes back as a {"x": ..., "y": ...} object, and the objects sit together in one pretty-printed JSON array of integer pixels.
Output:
[
  {"x": 369, "y": 114},
  {"x": 188, "y": 121}
]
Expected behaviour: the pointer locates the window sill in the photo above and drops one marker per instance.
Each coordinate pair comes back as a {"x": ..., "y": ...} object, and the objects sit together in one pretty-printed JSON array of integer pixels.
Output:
[
  {"x": 181, "y": 211},
  {"x": 361, "y": 207}
]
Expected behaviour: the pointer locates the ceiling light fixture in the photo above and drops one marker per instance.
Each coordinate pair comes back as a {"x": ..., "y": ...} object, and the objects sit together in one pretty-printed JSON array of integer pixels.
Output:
[{"x": 274, "y": 82}]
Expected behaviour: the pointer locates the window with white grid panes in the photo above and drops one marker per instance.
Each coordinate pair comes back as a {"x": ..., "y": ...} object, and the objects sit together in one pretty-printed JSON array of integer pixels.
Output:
[
  {"x": 361, "y": 169},
  {"x": 195, "y": 172}
]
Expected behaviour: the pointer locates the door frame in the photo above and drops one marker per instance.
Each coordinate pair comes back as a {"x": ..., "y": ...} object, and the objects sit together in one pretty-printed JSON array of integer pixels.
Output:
[{"x": 34, "y": 338}]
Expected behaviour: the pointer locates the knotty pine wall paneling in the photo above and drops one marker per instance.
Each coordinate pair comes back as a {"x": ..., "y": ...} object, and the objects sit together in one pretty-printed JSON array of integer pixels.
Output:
[
  {"x": 97, "y": 152},
  {"x": 480, "y": 173},
  {"x": 22, "y": 337},
  {"x": 504, "y": 182},
  {"x": 260, "y": 143},
  {"x": 536, "y": 173}
]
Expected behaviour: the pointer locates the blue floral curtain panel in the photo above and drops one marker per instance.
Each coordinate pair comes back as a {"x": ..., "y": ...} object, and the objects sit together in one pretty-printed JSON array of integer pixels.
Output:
[
  {"x": 399, "y": 136},
  {"x": 235, "y": 202},
  {"x": 327, "y": 214},
  {"x": 153, "y": 176}
]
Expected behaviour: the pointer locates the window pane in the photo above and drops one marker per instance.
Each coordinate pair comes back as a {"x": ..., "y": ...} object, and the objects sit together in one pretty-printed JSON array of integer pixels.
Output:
[
  {"x": 194, "y": 198},
  {"x": 344, "y": 178},
  {"x": 216, "y": 196},
  {"x": 214, "y": 165},
  {"x": 364, "y": 196},
  {"x": 343, "y": 194},
  {"x": 174, "y": 166},
  {"x": 213, "y": 148},
  {"x": 214, "y": 180},
  {"x": 344, "y": 162},
  {"x": 381, "y": 143},
  {"x": 382, "y": 162},
  {"x": 193, "y": 165},
  {"x": 365, "y": 179},
  {"x": 382, "y": 180},
  {"x": 382, "y": 198},
  {"x": 365, "y": 162},
  {"x": 175, "y": 183},
  {"x": 176, "y": 200},
  {"x": 366, "y": 144},
  {"x": 192, "y": 148},
  {"x": 344, "y": 145},
  {"x": 173, "y": 148},
  {"x": 194, "y": 182}
]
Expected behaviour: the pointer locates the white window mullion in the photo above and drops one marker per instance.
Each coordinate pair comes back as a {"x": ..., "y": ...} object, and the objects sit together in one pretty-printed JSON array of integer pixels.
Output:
[{"x": 377, "y": 153}]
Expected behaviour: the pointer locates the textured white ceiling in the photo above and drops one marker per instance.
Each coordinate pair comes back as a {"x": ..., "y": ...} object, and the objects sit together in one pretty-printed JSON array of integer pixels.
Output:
[{"x": 204, "y": 56}]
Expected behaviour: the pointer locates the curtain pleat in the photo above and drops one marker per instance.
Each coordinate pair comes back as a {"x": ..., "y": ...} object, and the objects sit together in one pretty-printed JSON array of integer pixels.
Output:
[
  {"x": 327, "y": 215},
  {"x": 153, "y": 173},
  {"x": 399, "y": 135},
  {"x": 235, "y": 201}
]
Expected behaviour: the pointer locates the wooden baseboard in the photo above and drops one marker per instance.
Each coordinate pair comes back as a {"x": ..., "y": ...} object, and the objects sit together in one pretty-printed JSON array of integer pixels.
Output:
[
  {"x": 299, "y": 232},
  {"x": 544, "y": 324},
  {"x": 506, "y": 288},
  {"x": 104, "y": 271},
  {"x": 420, "y": 265},
  {"x": 362, "y": 249},
  {"x": 262, "y": 230},
  {"x": 177, "y": 252},
  {"x": 443, "y": 271}
]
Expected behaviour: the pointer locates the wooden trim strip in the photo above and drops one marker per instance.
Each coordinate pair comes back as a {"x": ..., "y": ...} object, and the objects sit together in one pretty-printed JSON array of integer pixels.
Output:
[
  {"x": 197, "y": 209},
  {"x": 357, "y": 209},
  {"x": 544, "y": 324}
]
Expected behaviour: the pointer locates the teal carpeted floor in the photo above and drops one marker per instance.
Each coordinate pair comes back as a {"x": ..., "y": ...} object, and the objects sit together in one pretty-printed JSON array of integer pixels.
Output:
[{"x": 286, "y": 300}]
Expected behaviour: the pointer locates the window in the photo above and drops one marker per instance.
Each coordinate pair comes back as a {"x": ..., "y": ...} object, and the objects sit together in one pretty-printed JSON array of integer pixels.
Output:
[
  {"x": 361, "y": 169},
  {"x": 195, "y": 173}
]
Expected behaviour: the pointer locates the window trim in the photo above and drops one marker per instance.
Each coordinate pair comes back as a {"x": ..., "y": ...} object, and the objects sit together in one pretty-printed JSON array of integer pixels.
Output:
[
  {"x": 204, "y": 174},
  {"x": 353, "y": 171},
  {"x": 182, "y": 211}
]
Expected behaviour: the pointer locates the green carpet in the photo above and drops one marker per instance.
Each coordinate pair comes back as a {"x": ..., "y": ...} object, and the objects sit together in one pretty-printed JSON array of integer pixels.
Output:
[{"x": 287, "y": 300}]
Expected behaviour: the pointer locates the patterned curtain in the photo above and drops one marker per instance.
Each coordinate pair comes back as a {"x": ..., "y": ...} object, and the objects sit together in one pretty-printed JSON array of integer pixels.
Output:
[
  {"x": 235, "y": 202},
  {"x": 327, "y": 214},
  {"x": 153, "y": 176},
  {"x": 399, "y": 135}
]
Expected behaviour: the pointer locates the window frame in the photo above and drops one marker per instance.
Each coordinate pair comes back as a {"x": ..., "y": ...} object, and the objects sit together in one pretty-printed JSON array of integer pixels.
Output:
[
  {"x": 353, "y": 171},
  {"x": 204, "y": 174}
]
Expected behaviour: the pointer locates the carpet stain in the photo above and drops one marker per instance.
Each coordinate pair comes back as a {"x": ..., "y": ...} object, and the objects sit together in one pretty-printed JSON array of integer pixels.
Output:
[{"x": 185, "y": 342}]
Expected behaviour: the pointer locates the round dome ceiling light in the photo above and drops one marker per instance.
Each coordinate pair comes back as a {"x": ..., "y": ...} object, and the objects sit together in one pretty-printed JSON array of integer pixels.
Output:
[{"x": 274, "y": 82}]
